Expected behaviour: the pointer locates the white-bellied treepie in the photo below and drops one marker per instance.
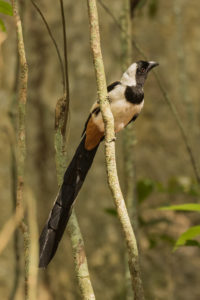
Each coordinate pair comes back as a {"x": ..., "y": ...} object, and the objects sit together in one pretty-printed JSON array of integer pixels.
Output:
[{"x": 126, "y": 101}]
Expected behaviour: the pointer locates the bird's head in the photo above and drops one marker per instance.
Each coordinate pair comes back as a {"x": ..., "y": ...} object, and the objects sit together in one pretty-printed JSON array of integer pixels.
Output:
[{"x": 137, "y": 73}]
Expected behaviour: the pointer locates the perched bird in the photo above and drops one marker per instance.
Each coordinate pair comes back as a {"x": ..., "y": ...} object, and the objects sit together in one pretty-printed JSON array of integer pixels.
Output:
[{"x": 126, "y": 101}]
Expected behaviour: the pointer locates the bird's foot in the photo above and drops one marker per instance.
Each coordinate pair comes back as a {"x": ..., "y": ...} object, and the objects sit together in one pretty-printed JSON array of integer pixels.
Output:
[{"x": 112, "y": 140}]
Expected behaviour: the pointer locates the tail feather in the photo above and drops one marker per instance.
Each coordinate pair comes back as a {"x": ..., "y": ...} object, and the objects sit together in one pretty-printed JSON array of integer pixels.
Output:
[{"x": 61, "y": 211}]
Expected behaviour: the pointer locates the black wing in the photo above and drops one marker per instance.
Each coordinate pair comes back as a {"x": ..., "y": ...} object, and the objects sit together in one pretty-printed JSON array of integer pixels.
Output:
[{"x": 112, "y": 86}]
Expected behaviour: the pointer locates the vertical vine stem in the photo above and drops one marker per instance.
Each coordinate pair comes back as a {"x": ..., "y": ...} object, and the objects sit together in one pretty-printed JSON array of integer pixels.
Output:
[
  {"x": 53, "y": 41},
  {"x": 21, "y": 140},
  {"x": 66, "y": 84},
  {"x": 110, "y": 152},
  {"x": 61, "y": 119},
  {"x": 128, "y": 135},
  {"x": 80, "y": 260}
]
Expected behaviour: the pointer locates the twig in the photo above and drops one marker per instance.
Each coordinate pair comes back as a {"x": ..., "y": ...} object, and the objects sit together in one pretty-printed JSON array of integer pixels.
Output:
[
  {"x": 53, "y": 41},
  {"x": 65, "y": 47},
  {"x": 110, "y": 152},
  {"x": 21, "y": 134},
  {"x": 66, "y": 67},
  {"x": 171, "y": 106}
]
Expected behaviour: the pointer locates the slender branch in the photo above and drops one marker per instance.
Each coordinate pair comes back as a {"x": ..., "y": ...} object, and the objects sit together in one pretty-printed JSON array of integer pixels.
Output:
[
  {"x": 170, "y": 104},
  {"x": 110, "y": 151},
  {"x": 66, "y": 66},
  {"x": 21, "y": 135},
  {"x": 13, "y": 119},
  {"x": 80, "y": 260},
  {"x": 61, "y": 117},
  {"x": 128, "y": 135},
  {"x": 178, "y": 8},
  {"x": 22, "y": 106},
  {"x": 53, "y": 40},
  {"x": 16, "y": 233},
  {"x": 65, "y": 46}
]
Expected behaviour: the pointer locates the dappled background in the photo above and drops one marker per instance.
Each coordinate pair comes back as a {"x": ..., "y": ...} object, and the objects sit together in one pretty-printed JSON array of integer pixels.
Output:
[{"x": 168, "y": 32}]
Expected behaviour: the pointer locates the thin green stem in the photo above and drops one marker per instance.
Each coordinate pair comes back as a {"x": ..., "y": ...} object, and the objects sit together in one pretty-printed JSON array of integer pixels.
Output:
[
  {"x": 128, "y": 136},
  {"x": 53, "y": 40},
  {"x": 21, "y": 140},
  {"x": 66, "y": 68}
]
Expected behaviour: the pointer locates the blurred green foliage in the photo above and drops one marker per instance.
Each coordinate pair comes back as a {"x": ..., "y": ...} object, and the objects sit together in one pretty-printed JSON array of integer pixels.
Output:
[
  {"x": 2, "y": 26},
  {"x": 6, "y": 9},
  {"x": 177, "y": 185},
  {"x": 186, "y": 239},
  {"x": 188, "y": 187}
]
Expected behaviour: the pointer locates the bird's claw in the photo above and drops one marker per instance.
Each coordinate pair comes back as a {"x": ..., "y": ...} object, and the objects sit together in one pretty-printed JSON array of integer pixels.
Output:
[{"x": 112, "y": 140}]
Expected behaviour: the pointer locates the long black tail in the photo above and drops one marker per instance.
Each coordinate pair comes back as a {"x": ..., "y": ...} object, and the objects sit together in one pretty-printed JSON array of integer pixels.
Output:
[{"x": 61, "y": 211}]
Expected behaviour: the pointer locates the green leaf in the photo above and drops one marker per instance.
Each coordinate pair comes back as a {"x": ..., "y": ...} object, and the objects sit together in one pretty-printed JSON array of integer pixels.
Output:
[
  {"x": 6, "y": 8},
  {"x": 191, "y": 233},
  {"x": 144, "y": 188},
  {"x": 183, "y": 207},
  {"x": 192, "y": 243},
  {"x": 2, "y": 26}
]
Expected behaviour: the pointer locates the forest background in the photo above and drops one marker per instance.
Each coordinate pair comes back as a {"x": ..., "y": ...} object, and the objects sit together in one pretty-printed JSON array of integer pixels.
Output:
[{"x": 168, "y": 32}]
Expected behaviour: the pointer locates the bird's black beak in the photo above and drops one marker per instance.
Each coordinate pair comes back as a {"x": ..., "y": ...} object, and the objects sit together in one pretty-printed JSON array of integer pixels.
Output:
[{"x": 152, "y": 64}]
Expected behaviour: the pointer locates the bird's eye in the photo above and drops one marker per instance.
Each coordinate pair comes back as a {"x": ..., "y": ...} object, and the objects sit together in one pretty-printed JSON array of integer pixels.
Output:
[{"x": 142, "y": 70}]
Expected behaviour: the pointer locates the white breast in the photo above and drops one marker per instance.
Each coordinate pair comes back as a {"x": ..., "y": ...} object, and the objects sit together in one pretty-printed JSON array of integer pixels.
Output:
[{"x": 123, "y": 111}]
